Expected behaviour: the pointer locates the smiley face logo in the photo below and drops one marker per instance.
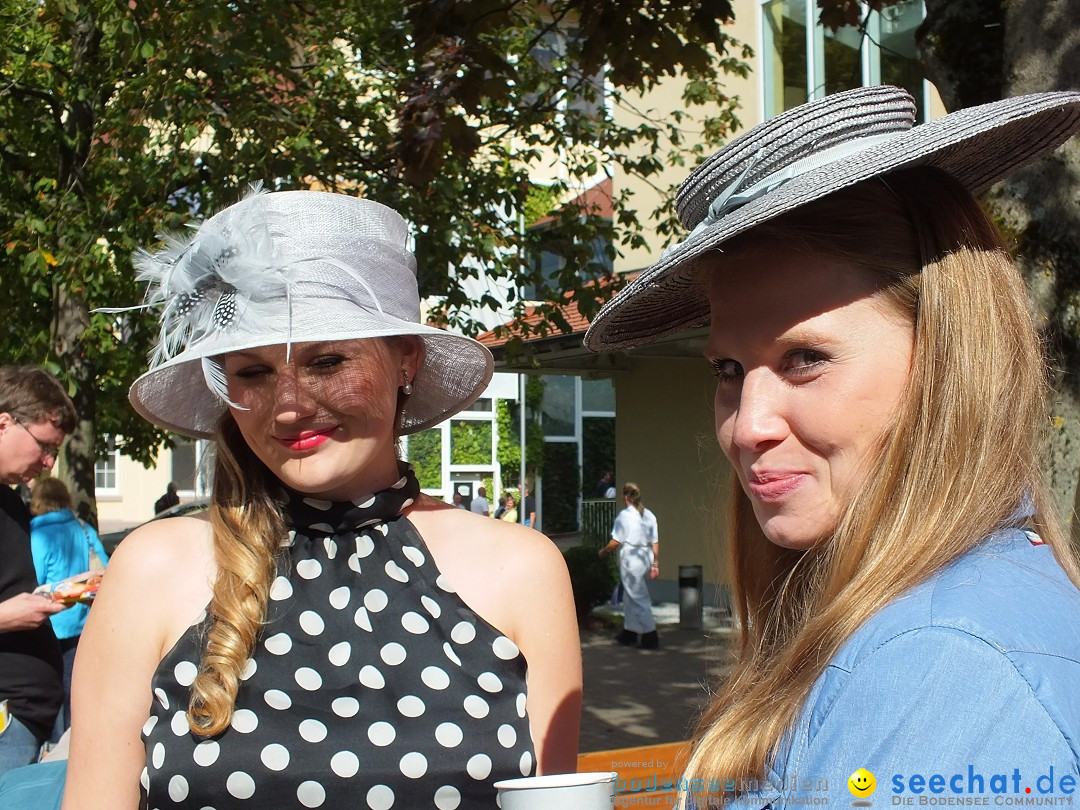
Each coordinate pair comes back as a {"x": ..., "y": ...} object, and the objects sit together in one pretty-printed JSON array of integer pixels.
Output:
[{"x": 862, "y": 783}]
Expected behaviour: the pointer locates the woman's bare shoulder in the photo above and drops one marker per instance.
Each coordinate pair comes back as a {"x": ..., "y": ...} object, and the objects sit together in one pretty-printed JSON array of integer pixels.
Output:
[
  {"x": 167, "y": 565},
  {"x": 470, "y": 535},
  {"x": 175, "y": 543},
  {"x": 495, "y": 566}
]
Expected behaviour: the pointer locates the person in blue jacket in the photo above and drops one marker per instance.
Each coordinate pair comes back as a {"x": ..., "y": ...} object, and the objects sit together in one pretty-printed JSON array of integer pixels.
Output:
[
  {"x": 907, "y": 593},
  {"x": 62, "y": 546}
]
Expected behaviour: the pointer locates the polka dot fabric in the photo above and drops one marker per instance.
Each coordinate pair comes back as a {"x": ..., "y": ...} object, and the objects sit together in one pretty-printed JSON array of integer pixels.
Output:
[{"x": 372, "y": 685}]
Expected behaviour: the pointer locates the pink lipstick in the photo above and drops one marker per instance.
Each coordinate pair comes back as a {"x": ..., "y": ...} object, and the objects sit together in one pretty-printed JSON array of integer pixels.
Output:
[{"x": 306, "y": 440}]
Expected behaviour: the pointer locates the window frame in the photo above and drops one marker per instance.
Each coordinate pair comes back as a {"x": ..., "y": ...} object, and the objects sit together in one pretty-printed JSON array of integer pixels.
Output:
[
  {"x": 112, "y": 460},
  {"x": 815, "y": 58}
]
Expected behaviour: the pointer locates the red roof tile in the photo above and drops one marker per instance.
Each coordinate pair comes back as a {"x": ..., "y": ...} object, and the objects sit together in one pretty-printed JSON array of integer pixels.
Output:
[
  {"x": 533, "y": 317},
  {"x": 594, "y": 201}
]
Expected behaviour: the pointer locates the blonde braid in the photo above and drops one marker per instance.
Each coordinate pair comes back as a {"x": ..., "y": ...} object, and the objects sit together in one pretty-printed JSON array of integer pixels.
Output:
[{"x": 248, "y": 531}]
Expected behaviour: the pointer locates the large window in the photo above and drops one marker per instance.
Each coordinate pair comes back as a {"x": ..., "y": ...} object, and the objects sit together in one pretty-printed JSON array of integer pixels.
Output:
[
  {"x": 801, "y": 60},
  {"x": 598, "y": 396},
  {"x": 560, "y": 407},
  {"x": 185, "y": 465}
]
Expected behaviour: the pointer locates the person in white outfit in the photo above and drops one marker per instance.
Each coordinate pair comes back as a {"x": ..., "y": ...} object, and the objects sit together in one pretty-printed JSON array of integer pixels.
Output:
[{"x": 635, "y": 536}]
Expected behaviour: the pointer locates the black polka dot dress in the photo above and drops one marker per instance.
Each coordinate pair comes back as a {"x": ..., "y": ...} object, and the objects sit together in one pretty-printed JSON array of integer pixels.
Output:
[{"x": 372, "y": 686}]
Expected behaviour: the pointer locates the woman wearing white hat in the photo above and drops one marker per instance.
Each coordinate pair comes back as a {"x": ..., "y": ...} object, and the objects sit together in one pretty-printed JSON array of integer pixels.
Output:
[
  {"x": 327, "y": 636},
  {"x": 907, "y": 594}
]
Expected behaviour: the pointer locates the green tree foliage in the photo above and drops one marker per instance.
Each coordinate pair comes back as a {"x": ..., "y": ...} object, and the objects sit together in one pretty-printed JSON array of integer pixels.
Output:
[
  {"x": 534, "y": 432},
  {"x": 508, "y": 419},
  {"x": 508, "y": 451},
  {"x": 119, "y": 120}
]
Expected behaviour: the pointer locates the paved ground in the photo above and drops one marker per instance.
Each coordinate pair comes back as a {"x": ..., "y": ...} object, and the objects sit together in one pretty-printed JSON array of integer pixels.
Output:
[{"x": 641, "y": 697}]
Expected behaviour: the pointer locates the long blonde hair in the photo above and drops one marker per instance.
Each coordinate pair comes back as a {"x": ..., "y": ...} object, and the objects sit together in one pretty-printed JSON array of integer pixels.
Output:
[
  {"x": 961, "y": 458},
  {"x": 248, "y": 532}
]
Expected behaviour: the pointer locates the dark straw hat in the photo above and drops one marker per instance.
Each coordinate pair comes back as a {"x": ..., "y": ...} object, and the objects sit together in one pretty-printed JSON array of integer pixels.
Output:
[{"x": 807, "y": 153}]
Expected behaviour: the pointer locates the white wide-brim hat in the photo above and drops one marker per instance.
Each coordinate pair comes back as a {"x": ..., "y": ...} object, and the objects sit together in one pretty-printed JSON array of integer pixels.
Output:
[
  {"x": 292, "y": 267},
  {"x": 805, "y": 154}
]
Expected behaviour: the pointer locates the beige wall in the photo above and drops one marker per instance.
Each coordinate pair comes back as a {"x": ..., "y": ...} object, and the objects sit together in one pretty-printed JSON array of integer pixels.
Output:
[
  {"x": 667, "y": 445},
  {"x": 657, "y": 105},
  {"x": 138, "y": 488}
]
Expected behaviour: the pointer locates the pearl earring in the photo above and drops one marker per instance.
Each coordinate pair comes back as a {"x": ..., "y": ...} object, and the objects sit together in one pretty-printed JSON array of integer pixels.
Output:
[{"x": 406, "y": 389}]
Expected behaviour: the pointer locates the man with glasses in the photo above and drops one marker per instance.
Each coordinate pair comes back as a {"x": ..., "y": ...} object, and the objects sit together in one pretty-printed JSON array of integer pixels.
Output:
[{"x": 35, "y": 416}]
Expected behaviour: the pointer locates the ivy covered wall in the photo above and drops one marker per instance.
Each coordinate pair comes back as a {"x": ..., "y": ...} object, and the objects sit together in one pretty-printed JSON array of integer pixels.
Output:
[
  {"x": 425, "y": 454},
  {"x": 470, "y": 442}
]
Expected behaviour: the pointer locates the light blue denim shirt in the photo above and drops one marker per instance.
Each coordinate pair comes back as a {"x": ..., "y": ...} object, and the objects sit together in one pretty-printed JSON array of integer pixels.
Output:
[{"x": 966, "y": 691}]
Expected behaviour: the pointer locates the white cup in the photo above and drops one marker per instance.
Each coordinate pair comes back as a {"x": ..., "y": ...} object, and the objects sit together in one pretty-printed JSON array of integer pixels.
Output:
[{"x": 565, "y": 791}]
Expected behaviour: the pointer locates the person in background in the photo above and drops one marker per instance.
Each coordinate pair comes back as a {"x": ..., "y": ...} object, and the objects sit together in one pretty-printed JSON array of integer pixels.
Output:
[
  {"x": 326, "y": 635},
  {"x": 480, "y": 503},
  {"x": 635, "y": 537},
  {"x": 905, "y": 589},
  {"x": 35, "y": 416},
  {"x": 168, "y": 500},
  {"x": 63, "y": 546},
  {"x": 501, "y": 508},
  {"x": 528, "y": 508},
  {"x": 605, "y": 485},
  {"x": 510, "y": 512}
]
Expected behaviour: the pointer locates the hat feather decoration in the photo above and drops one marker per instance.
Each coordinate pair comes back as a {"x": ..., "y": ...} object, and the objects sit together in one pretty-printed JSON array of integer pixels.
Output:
[{"x": 212, "y": 278}]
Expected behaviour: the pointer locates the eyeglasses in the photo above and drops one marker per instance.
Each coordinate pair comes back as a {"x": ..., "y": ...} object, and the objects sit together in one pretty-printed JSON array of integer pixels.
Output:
[{"x": 50, "y": 450}]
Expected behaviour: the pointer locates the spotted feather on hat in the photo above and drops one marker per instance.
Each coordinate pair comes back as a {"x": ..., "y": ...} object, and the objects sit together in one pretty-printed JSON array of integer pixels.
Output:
[{"x": 208, "y": 280}]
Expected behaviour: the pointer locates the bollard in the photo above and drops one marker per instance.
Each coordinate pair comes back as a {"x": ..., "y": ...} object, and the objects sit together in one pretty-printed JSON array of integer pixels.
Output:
[{"x": 691, "y": 580}]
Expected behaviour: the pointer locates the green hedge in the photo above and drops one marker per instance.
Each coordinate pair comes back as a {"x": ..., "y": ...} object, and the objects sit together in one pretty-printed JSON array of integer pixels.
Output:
[
  {"x": 591, "y": 578},
  {"x": 509, "y": 449}
]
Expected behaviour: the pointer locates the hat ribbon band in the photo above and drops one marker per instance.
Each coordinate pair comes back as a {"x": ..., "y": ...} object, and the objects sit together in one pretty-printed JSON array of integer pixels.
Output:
[{"x": 734, "y": 196}]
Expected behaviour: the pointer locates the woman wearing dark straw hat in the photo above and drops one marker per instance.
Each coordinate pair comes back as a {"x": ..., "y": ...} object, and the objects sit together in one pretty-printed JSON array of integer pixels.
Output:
[
  {"x": 907, "y": 596},
  {"x": 327, "y": 636}
]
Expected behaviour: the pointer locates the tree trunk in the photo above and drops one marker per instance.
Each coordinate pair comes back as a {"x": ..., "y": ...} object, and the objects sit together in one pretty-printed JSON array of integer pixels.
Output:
[
  {"x": 71, "y": 312},
  {"x": 1039, "y": 205},
  {"x": 978, "y": 50},
  {"x": 72, "y": 319},
  {"x": 961, "y": 46}
]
